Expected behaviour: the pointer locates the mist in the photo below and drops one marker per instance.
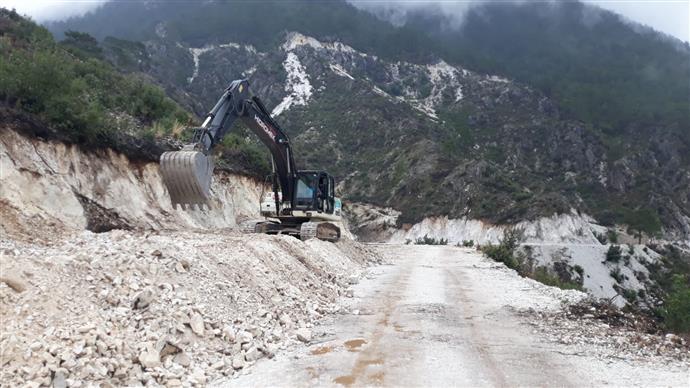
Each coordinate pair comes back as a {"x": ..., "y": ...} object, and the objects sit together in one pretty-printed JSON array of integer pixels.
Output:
[
  {"x": 50, "y": 10},
  {"x": 670, "y": 17}
]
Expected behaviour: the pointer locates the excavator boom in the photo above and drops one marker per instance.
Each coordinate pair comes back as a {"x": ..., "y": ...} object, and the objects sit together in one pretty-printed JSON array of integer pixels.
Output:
[{"x": 187, "y": 173}]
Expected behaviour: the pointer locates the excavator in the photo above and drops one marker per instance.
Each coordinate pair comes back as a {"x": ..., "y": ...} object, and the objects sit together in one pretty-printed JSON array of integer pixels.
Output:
[{"x": 303, "y": 201}]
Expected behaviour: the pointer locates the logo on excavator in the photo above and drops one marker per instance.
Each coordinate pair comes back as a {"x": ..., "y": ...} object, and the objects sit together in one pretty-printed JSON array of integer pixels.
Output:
[{"x": 265, "y": 127}]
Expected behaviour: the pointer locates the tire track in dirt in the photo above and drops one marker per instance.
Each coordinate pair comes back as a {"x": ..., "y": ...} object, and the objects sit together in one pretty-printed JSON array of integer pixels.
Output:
[{"x": 373, "y": 354}]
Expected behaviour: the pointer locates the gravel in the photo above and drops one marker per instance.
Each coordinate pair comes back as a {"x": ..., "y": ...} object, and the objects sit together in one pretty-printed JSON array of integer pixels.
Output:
[{"x": 168, "y": 308}]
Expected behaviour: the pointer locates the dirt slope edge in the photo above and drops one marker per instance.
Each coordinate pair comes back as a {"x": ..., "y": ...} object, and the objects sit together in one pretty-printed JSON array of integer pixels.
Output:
[{"x": 56, "y": 187}]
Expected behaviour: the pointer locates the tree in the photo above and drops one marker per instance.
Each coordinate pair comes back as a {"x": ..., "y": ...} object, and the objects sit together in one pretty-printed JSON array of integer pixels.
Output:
[
  {"x": 82, "y": 43},
  {"x": 643, "y": 221},
  {"x": 676, "y": 311}
]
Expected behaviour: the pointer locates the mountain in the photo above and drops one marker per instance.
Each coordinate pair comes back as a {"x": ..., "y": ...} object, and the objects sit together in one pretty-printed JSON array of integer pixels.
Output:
[{"x": 525, "y": 110}]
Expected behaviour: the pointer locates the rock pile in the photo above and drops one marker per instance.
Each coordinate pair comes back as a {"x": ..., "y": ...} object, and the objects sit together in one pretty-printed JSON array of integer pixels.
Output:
[
  {"x": 161, "y": 308},
  {"x": 612, "y": 332}
]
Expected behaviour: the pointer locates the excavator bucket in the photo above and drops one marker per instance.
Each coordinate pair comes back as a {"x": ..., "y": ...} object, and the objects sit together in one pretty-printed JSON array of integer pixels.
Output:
[{"x": 187, "y": 175}]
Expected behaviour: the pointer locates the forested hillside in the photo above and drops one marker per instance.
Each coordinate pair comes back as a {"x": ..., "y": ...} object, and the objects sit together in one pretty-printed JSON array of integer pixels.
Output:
[
  {"x": 83, "y": 99},
  {"x": 566, "y": 106},
  {"x": 67, "y": 90}
]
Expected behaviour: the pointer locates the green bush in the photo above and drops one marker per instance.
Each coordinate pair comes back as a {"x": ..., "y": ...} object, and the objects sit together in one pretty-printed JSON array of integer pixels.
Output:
[
  {"x": 542, "y": 275},
  {"x": 612, "y": 236},
  {"x": 614, "y": 254},
  {"x": 617, "y": 275},
  {"x": 629, "y": 295},
  {"x": 676, "y": 309},
  {"x": 580, "y": 271},
  {"x": 426, "y": 240},
  {"x": 504, "y": 252},
  {"x": 468, "y": 243},
  {"x": 643, "y": 222}
]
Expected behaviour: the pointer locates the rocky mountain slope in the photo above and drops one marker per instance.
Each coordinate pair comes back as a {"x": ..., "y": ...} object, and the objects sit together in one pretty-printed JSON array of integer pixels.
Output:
[{"x": 421, "y": 131}]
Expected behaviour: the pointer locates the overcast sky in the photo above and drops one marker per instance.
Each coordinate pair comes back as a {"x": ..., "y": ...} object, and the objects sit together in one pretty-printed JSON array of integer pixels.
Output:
[{"x": 669, "y": 16}]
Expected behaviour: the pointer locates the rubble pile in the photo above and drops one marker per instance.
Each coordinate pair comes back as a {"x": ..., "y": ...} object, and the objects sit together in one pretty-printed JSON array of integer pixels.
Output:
[
  {"x": 610, "y": 332},
  {"x": 161, "y": 308}
]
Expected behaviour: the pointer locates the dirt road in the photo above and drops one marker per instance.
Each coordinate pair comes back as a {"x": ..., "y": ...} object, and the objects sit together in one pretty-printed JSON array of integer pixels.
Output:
[{"x": 440, "y": 316}]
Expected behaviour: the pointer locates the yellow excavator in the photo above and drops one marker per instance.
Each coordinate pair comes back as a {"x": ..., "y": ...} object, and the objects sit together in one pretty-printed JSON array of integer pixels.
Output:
[{"x": 305, "y": 205}]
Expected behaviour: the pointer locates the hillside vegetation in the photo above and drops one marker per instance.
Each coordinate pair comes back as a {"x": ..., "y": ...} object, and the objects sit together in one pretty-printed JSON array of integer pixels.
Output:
[
  {"x": 83, "y": 98},
  {"x": 70, "y": 92}
]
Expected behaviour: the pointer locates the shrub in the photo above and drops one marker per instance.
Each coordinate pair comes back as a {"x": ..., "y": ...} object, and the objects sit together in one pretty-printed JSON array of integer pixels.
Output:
[
  {"x": 676, "y": 310},
  {"x": 504, "y": 252},
  {"x": 468, "y": 243},
  {"x": 426, "y": 240},
  {"x": 614, "y": 254},
  {"x": 542, "y": 275},
  {"x": 523, "y": 263},
  {"x": 612, "y": 236},
  {"x": 580, "y": 271},
  {"x": 643, "y": 221},
  {"x": 617, "y": 275},
  {"x": 631, "y": 250},
  {"x": 629, "y": 295},
  {"x": 67, "y": 88}
]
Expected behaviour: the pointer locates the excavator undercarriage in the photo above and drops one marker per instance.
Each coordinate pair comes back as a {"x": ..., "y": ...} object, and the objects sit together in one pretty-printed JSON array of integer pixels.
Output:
[{"x": 304, "y": 231}]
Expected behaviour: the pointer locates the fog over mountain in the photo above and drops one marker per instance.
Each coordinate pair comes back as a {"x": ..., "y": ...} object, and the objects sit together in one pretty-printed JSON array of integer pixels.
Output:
[{"x": 670, "y": 17}]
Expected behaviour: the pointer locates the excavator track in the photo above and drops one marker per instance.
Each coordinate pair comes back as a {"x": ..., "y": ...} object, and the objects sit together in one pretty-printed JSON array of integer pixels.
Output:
[
  {"x": 248, "y": 227},
  {"x": 187, "y": 175},
  {"x": 322, "y": 230}
]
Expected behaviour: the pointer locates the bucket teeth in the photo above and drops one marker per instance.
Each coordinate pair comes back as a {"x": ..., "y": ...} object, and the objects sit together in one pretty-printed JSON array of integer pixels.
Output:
[{"x": 187, "y": 175}]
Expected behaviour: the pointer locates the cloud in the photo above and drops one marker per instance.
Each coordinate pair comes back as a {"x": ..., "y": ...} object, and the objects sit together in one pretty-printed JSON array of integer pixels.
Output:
[
  {"x": 397, "y": 11},
  {"x": 47, "y": 10},
  {"x": 669, "y": 16}
]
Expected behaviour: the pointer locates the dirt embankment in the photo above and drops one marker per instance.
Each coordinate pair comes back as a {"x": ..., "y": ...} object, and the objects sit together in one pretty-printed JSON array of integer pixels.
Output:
[{"x": 48, "y": 185}]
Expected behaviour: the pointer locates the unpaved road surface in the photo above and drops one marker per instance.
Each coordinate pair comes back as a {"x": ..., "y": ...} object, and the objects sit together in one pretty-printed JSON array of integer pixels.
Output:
[{"x": 446, "y": 316}]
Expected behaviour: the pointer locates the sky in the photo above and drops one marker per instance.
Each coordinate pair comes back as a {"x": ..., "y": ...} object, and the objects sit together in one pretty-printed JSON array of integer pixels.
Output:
[{"x": 669, "y": 16}]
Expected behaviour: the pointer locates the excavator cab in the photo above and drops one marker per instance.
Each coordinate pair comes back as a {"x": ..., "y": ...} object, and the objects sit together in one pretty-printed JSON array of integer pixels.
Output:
[{"x": 315, "y": 192}]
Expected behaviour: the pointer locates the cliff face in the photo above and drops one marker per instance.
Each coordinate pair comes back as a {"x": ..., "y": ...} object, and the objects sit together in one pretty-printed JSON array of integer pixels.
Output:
[{"x": 51, "y": 186}]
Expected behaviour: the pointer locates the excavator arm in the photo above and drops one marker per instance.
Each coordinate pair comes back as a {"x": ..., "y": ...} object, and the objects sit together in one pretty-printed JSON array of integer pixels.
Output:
[{"x": 187, "y": 173}]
